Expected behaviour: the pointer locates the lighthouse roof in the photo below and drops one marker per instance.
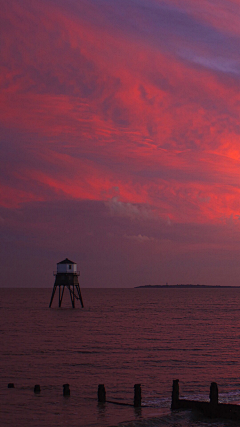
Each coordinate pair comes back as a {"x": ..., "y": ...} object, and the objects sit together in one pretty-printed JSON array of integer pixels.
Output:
[{"x": 66, "y": 261}]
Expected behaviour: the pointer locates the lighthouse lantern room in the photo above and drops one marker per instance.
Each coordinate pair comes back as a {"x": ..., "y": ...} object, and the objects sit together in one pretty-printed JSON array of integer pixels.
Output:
[{"x": 66, "y": 276}]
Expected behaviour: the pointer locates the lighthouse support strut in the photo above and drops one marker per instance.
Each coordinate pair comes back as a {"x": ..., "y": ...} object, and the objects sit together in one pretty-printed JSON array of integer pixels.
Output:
[
  {"x": 53, "y": 293},
  {"x": 69, "y": 280}
]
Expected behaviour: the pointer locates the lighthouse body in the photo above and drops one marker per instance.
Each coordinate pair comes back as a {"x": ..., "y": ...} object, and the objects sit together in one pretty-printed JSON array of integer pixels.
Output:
[
  {"x": 66, "y": 267},
  {"x": 66, "y": 276}
]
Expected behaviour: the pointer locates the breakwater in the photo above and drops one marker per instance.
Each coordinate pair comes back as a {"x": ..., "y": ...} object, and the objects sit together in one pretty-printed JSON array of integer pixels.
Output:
[{"x": 211, "y": 409}]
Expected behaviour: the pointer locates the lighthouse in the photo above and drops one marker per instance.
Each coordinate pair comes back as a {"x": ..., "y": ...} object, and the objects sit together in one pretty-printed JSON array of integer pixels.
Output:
[{"x": 66, "y": 276}]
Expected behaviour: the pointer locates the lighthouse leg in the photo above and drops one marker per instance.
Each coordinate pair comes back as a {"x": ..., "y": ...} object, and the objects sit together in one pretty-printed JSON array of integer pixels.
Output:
[
  {"x": 73, "y": 298},
  {"x": 71, "y": 295},
  {"x": 61, "y": 295},
  {"x": 53, "y": 293},
  {"x": 79, "y": 295}
]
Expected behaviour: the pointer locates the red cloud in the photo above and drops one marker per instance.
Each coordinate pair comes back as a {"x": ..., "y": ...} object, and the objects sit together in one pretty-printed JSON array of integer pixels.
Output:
[{"x": 103, "y": 109}]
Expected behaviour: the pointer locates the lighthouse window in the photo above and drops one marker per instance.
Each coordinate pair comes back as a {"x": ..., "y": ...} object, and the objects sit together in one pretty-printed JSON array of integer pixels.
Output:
[{"x": 69, "y": 267}]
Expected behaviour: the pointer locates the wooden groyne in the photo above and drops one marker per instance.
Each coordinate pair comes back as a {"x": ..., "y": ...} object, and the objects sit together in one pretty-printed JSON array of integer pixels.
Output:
[
  {"x": 137, "y": 400},
  {"x": 211, "y": 409}
]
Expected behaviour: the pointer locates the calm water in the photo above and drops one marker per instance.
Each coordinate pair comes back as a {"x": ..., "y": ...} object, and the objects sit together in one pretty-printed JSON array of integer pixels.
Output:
[{"x": 121, "y": 337}]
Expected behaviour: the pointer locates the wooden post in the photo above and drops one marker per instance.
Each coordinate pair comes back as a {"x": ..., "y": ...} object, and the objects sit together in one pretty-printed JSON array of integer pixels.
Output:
[
  {"x": 175, "y": 394},
  {"x": 37, "y": 388},
  {"x": 213, "y": 399},
  {"x": 101, "y": 393},
  {"x": 213, "y": 394},
  {"x": 10, "y": 385},
  {"x": 66, "y": 390},
  {"x": 137, "y": 396}
]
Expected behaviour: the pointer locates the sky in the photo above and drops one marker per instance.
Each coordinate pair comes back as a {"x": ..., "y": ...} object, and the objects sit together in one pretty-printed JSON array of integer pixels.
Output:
[{"x": 119, "y": 136}]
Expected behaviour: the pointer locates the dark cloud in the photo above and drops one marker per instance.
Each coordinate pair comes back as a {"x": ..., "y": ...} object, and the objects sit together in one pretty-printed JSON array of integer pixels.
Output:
[{"x": 165, "y": 25}]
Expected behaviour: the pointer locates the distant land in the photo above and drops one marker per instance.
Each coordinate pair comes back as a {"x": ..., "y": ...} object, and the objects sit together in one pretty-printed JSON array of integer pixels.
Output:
[{"x": 188, "y": 285}]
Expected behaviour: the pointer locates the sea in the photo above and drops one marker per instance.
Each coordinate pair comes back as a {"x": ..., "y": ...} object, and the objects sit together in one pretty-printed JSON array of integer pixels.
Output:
[{"x": 120, "y": 338}]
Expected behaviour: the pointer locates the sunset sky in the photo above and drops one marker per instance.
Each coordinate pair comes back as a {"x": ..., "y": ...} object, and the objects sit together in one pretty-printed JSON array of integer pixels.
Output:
[{"x": 120, "y": 141}]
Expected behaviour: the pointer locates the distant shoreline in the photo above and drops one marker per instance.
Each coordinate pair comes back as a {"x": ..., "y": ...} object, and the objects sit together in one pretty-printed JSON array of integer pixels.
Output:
[{"x": 186, "y": 286}]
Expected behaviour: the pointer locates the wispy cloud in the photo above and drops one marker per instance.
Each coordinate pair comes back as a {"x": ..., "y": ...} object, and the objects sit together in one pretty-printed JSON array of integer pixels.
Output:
[
  {"x": 130, "y": 210},
  {"x": 140, "y": 238}
]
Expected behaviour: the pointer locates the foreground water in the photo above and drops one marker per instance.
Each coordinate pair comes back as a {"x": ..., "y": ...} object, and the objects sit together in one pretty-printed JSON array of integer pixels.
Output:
[{"x": 121, "y": 337}]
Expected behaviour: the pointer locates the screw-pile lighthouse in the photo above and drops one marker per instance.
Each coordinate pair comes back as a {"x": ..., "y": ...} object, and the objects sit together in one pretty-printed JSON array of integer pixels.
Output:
[{"x": 67, "y": 276}]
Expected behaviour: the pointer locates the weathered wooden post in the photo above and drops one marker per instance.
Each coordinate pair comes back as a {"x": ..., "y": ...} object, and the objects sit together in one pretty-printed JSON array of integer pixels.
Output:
[
  {"x": 101, "y": 393},
  {"x": 37, "y": 388},
  {"x": 10, "y": 385},
  {"x": 213, "y": 394},
  {"x": 137, "y": 396},
  {"x": 66, "y": 390},
  {"x": 213, "y": 399},
  {"x": 175, "y": 394}
]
